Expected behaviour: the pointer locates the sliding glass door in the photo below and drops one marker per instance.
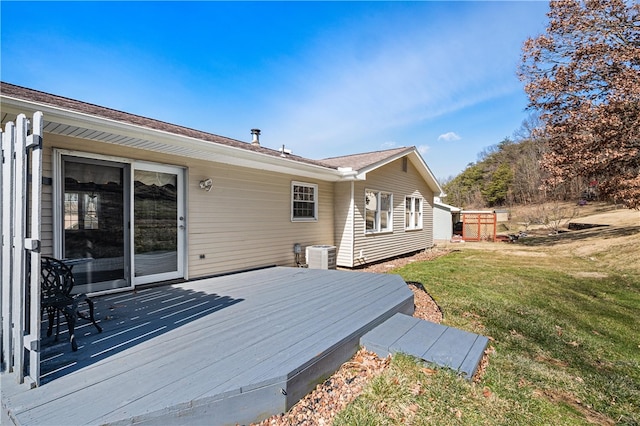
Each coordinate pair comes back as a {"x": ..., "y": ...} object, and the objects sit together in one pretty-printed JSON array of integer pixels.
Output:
[
  {"x": 158, "y": 223},
  {"x": 120, "y": 223}
]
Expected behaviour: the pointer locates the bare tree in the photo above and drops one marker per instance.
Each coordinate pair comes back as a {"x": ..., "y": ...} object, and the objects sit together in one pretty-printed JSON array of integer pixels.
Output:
[
  {"x": 529, "y": 127},
  {"x": 583, "y": 76},
  {"x": 553, "y": 216}
]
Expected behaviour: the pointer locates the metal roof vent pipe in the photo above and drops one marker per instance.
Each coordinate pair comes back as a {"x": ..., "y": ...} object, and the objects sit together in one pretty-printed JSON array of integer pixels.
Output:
[{"x": 256, "y": 137}]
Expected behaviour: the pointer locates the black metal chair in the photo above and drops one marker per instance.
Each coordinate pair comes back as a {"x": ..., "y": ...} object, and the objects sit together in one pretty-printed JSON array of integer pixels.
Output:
[{"x": 56, "y": 284}]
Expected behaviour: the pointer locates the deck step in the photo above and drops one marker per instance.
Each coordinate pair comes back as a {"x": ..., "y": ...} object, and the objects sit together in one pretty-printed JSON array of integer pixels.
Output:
[{"x": 445, "y": 346}]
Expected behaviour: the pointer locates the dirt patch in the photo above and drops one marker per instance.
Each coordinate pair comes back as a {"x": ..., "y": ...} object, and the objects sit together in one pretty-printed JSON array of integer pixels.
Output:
[
  {"x": 528, "y": 253},
  {"x": 590, "y": 415},
  {"x": 551, "y": 361},
  {"x": 399, "y": 262},
  {"x": 530, "y": 217},
  {"x": 587, "y": 274},
  {"x": 617, "y": 217}
]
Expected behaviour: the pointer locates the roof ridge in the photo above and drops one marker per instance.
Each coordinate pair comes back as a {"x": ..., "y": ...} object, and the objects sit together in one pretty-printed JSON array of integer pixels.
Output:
[{"x": 398, "y": 149}]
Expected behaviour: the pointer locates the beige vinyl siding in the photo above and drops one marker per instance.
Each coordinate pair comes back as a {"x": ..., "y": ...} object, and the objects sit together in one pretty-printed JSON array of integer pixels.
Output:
[
  {"x": 343, "y": 217},
  {"x": 391, "y": 178},
  {"x": 46, "y": 222},
  {"x": 243, "y": 222}
]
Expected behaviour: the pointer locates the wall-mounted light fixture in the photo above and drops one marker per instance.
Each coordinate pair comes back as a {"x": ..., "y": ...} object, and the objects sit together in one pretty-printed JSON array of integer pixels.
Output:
[{"x": 206, "y": 184}]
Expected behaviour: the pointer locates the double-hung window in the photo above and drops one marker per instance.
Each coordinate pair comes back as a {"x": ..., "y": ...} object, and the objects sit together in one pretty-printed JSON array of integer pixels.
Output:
[
  {"x": 378, "y": 211},
  {"x": 413, "y": 213},
  {"x": 304, "y": 202}
]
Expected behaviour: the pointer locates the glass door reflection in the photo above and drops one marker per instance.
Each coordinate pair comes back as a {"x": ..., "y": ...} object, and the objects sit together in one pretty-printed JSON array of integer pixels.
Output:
[
  {"x": 156, "y": 235},
  {"x": 94, "y": 222}
]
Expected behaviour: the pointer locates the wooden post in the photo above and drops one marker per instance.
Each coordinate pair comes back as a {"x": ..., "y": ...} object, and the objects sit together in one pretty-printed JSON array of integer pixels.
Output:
[
  {"x": 18, "y": 281},
  {"x": 33, "y": 243},
  {"x": 7, "y": 242}
]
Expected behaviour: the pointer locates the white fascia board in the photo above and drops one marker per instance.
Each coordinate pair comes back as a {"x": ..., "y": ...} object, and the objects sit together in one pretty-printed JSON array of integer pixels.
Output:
[
  {"x": 426, "y": 173},
  {"x": 348, "y": 174},
  {"x": 209, "y": 150},
  {"x": 447, "y": 207}
]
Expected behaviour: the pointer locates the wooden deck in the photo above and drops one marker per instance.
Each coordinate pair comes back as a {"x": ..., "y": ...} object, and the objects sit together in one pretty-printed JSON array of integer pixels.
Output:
[{"x": 225, "y": 350}]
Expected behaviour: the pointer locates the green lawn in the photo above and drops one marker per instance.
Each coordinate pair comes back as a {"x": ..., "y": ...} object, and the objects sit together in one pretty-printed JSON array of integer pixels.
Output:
[{"x": 565, "y": 346}]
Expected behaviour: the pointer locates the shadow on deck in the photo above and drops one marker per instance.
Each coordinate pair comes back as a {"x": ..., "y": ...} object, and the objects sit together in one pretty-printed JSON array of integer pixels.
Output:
[{"x": 128, "y": 319}]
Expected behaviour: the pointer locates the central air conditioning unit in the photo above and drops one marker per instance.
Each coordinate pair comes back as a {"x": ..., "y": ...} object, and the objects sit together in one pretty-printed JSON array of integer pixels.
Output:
[{"x": 321, "y": 257}]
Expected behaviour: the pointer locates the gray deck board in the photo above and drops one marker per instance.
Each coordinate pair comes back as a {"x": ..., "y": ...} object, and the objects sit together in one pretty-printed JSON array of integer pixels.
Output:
[
  {"x": 441, "y": 351},
  {"x": 436, "y": 343},
  {"x": 423, "y": 335},
  {"x": 474, "y": 356},
  {"x": 214, "y": 351}
]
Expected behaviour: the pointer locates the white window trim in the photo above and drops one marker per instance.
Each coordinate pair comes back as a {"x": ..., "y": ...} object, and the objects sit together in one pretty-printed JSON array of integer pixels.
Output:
[
  {"x": 411, "y": 225},
  {"x": 377, "y": 229},
  {"x": 315, "y": 202}
]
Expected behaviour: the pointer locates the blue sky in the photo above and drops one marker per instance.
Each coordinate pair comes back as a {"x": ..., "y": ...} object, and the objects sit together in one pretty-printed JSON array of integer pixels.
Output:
[{"x": 323, "y": 78}]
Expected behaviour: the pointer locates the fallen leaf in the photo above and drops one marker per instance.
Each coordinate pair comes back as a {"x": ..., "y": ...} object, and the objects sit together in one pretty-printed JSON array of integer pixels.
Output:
[
  {"x": 486, "y": 392},
  {"x": 429, "y": 371},
  {"x": 417, "y": 389}
]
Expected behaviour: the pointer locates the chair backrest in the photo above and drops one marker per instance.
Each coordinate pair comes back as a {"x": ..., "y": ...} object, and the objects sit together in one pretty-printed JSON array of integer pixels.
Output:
[{"x": 57, "y": 278}]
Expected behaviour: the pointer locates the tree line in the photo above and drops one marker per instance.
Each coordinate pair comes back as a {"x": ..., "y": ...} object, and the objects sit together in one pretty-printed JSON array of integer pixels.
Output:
[{"x": 510, "y": 173}]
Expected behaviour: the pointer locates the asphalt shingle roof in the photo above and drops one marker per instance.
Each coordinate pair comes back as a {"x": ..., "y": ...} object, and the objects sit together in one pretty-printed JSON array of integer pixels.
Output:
[
  {"x": 355, "y": 161},
  {"x": 365, "y": 159}
]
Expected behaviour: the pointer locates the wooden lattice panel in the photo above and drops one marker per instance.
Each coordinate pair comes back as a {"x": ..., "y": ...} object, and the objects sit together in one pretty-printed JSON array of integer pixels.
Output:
[{"x": 479, "y": 226}]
